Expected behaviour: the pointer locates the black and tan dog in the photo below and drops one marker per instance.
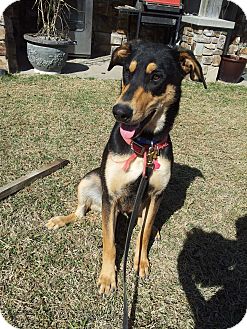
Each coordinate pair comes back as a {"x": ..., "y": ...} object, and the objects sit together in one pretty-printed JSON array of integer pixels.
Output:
[{"x": 145, "y": 113}]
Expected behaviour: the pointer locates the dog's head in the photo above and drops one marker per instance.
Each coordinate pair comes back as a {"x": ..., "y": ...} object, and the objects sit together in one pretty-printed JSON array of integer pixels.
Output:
[{"x": 152, "y": 75}]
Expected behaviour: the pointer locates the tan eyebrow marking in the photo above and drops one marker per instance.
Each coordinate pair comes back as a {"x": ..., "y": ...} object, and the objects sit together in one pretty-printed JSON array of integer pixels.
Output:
[
  {"x": 151, "y": 67},
  {"x": 133, "y": 66}
]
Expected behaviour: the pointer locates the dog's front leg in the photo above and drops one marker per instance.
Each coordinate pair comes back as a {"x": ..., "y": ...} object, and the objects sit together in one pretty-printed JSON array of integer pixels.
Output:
[
  {"x": 107, "y": 278},
  {"x": 141, "y": 262}
]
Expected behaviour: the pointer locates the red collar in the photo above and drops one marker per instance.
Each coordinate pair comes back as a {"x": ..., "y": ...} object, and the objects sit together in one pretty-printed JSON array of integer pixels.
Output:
[
  {"x": 141, "y": 149},
  {"x": 149, "y": 153}
]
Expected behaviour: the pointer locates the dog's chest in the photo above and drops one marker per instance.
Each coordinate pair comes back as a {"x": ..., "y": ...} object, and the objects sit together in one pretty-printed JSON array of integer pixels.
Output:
[{"x": 120, "y": 182}]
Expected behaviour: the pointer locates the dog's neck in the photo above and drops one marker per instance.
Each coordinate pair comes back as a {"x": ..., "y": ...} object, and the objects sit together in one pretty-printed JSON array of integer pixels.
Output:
[
  {"x": 160, "y": 125},
  {"x": 155, "y": 131}
]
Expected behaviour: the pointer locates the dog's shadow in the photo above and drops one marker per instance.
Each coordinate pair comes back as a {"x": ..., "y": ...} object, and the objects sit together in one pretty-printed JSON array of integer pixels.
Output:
[
  {"x": 213, "y": 273},
  {"x": 175, "y": 193},
  {"x": 173, "y": 200}
]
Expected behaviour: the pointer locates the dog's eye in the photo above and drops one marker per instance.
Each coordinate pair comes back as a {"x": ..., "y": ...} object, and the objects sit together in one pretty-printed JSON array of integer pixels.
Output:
[{"x": 156, "y": 77}]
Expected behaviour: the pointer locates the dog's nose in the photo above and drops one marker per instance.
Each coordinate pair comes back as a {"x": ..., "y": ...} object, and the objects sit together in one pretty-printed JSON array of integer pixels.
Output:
[{"x": 122, "y": 112}]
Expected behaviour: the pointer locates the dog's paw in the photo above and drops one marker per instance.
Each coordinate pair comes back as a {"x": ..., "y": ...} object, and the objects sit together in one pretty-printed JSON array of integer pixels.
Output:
[
  {"x": 107, "y": 282},
  {"x": 141, "y": 267},
  {"x": 55, "y": 222}
]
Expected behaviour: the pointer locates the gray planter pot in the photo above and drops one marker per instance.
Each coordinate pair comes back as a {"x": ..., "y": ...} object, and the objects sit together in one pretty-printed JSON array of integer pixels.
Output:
[{"x": 47, "y": 56}]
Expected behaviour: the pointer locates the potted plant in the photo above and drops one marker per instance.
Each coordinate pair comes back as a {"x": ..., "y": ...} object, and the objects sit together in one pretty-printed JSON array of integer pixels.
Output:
[
  {"x": 47, "y": 49},
  {"x": 232, "y": 68}
]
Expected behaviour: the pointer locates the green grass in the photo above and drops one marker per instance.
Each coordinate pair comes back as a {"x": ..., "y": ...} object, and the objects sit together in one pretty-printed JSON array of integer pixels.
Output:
[{"x": 199, "y": 268}]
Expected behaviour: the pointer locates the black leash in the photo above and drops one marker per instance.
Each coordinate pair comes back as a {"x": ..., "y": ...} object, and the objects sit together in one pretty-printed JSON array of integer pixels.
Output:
[{"x": 141, "y": 189}]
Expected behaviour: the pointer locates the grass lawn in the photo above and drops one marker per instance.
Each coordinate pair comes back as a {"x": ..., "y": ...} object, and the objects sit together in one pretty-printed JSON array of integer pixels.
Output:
[{"x": 198, "y": 268}]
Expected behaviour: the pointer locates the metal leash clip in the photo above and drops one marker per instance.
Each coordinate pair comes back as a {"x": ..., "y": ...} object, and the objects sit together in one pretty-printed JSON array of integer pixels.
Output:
[{"x": 152, "y": 155}]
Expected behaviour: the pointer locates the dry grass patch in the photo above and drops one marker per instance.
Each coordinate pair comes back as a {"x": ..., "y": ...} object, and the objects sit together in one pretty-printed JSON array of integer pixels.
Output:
[{"x": 199, "y": 268}]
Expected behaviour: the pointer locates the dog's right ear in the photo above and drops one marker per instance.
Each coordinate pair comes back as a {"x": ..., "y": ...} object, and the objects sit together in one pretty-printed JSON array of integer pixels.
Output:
[{"x": 119, "y": 55}]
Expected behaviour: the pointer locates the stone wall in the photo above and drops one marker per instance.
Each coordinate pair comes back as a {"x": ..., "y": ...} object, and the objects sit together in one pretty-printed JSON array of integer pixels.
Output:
[
  {"x": 3, "y": 60},
  {"x": 207, "y": 45},
  {"x": 105, "y": 21},
  {"x": 10, "y": 15},
  {"x": 238, "y": 45},
  {"x": 237, "y": 48},
  {"x": 111, "y": 28},
  {"x": 18, "y": 18},
  {"x": 8, "y": 40}
]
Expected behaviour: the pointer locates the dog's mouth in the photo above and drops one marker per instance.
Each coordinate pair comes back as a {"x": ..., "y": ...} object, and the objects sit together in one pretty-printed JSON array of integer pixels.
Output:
[{"x": 130, "y": 131}]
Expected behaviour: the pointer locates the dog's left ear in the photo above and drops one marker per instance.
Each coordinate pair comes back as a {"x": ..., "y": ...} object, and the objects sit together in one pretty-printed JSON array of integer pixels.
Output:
[
  {"x": 190, "y": 65},
  {"x": 119, "y": 55}
]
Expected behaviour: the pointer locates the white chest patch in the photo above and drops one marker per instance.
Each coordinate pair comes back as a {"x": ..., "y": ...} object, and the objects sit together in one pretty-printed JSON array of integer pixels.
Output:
[
  {"x": 117, "y": 178},
  {"x": 161, "y": 177}
]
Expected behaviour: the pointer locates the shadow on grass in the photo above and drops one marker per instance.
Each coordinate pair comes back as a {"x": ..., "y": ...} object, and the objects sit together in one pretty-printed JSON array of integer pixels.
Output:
[
  {"x": 175, "y": 193},
  {"x": 173, "y": 200},
  {"x": 213, "y": 274}
]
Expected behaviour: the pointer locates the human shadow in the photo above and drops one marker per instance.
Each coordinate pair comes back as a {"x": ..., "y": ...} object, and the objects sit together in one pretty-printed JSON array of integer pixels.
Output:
[
  {"x": 173, "y": 199},
  {"x": 213, "y": 274}
]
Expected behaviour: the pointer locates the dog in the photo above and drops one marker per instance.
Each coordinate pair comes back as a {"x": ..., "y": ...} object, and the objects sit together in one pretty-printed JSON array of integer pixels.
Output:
[{"x": 145, "y": 112}]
